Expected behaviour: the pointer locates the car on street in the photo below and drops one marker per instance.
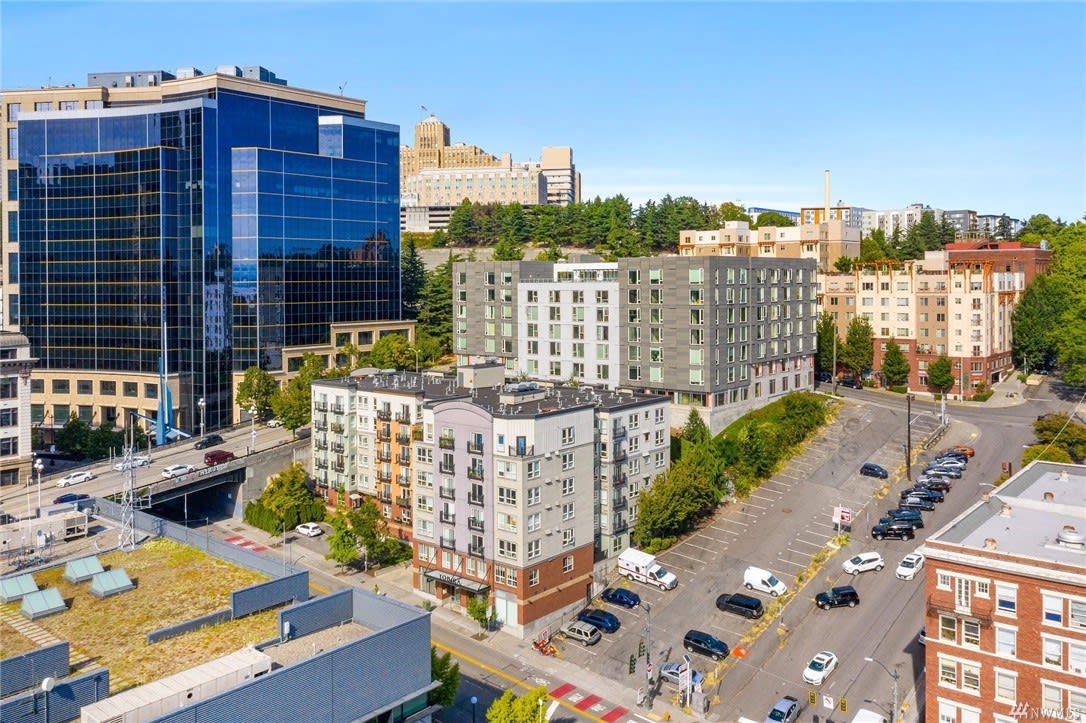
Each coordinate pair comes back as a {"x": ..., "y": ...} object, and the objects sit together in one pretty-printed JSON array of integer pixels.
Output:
[
  {"x": 274, "y": 423},
  {"x": 896, "y": 530},
  {"x": 820, "y": 667},
  {"x": 621, "y": 596},
  {"x": 923, "y": 493},
  {"x": 309, "y": 529},
  {"x": 917, "y": 503},
  {"x": 605, "y": 621},
  {"x": 837, "y": 597},
  {"x": 70, "y": 497},
  {"x": 139, "y": 460},
  {"x": 217, "y": 456},
  {"x": 910, "y": 565},
  {"x": 74, "y": 478},
  {"x": 209, "y": 441},
  {"x": 934, "y": 482},
  {"x": 852, "y": 382},
  {"x": 912, "y": 517},
  {"x": 951, "y": 472},
  {"x": 870, "y": 469},
  {"x": 785, "y": 710},
  {"x": 863, "y": 562},
  {"x": 671, "y": 673},
  {"x": 823, "y": 377},
  {"x": 695, "y": 641},
  {"x": 176, "y": 470}
]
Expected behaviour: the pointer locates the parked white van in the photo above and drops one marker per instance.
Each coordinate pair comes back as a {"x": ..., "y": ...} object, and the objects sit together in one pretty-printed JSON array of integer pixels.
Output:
[{"x": 755, "y": 578}]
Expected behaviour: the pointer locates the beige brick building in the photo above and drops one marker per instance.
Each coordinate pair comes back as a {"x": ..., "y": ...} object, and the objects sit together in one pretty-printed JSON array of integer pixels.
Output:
[{"x": 822, "y": 242}]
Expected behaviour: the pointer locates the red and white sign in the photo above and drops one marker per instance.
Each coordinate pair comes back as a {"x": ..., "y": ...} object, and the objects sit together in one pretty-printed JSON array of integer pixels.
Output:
[{"x": 842, "y": 515}]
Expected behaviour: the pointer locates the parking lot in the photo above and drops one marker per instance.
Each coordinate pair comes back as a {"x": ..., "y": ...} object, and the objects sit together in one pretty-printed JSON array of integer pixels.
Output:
[{"x": 779, "y": 527}]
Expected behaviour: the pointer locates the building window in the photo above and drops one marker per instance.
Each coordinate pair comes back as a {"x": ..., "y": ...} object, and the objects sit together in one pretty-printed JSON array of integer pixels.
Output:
[
  {"x": 567, "y": 563},
  {"x": 567, "y": 511},
  {"x": 507, "y": 496},
  {"x": 567, "y": 461},
  {"x": 1053, "y": 609},
  {"x": 970, "y": 677},
  {"x": 1051, "y": 697},
  {"x": 533, "y": 578},
  {"x": 1006, "y": 599},
  {"x": 1077, "y": 613},
  {"x": 948, "y": 673},
  {"x": 567, "y": 486},
  {"x": 948, "y": 628},
  {"x": 535, "y": 521},
  {"x": 568, "y": 436},
  {"x": 506, "y": 549},
  {"x": 131, "y": 389},
  {"x": 107, "y": 389},
  {"x": 535, "y": 549},
  {"x": 1053, "y": 652},
  {"x": 982, "y": 588},
  {"x": 533, "y": 471},
  {"x": 533, "y": 496},
  {"x": 971, "y": 633},
  {"x": 60, "y": 386},
  {"x": 567, "y": 537},
  {"x": 1006, "y": 685},
  {"x": 1006, "y": 641}
]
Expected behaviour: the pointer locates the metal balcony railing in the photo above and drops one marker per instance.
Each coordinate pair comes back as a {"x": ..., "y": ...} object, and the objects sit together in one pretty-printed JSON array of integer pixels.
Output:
[
  {"x": 475, "y": 523},
  {"x": 448, "y": 518},
  {"x": 475, "y": 447},
  {"x": 617, "y": 457},
  {"x": 620, "y": 504},
  {"x": 385, "y": 496},
  {"x": 383, "y": 476},
  {"x": 449, "y": 543},
  {"x": 618, "y": 434},
  {"x": 619, "y": 527},
  {"x": 403, "y": 418},
  {"x": 337, "y": 409},
  {"x": 476, "y": 551},
  {"x": 475, "y": 473},
  {"x": 448, "y": 493},
  {"x": 475, "y": 499},
  {"x": 446, "y": 442},
  {"x": 320, "y": 444},
  {"x": 528, "y": 451},
  {"x": 403, "y": 501},
  {"x": 336, "y": 427},
  {"x": 619, "y": 480},
  {"x": 338, "y": 447},
  {"x": 384, "y": 455},
  {"x": 403, "y": 480},
  {"x": 447, "y": 468},
  {"x": 384, "y": 415},
  {"x": 383, "y": 435},
  {"x": 320, "y": 406},
  {"x": 320, "y": 426},
  {"x": 404, "y": 460},
  {"x": 403, "y": 438}
]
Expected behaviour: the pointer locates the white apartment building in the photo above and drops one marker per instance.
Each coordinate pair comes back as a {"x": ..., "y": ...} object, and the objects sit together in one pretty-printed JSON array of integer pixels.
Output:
[{"x": 15, "y": 422}]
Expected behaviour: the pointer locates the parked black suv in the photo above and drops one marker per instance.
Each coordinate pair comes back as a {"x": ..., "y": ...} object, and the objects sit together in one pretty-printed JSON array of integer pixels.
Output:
[
  {"x": 209, "y": 441},
  {"x": 740, "y": 604},
  {"x": 870, "y": 469},
  {"x": 897, "y": 530},
  {"x": 934, "y": 482},
  {"x": 916, "y": 503},
  {"x": 837, "y": 597},
  {"x": 913, "y": 517},
  {"x": 924, "y": 493},
  {"x": 696, "y": 641}
]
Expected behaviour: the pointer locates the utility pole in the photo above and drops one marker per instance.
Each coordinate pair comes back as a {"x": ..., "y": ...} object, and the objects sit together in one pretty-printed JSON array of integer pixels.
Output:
[
  {"x": 909, "y": 437},
  {"x": 833, "y": 387},
  {"x": 648, "y": 651}
]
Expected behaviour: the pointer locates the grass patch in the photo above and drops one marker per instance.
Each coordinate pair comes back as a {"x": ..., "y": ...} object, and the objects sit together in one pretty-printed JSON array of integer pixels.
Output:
[
  {"x": 13, "y": 643},
  {"x": 174, "y": 583}
]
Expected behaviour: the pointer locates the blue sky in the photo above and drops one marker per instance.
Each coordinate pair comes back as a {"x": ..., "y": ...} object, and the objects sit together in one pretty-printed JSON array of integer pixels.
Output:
[{"x": 970, "y": 105}]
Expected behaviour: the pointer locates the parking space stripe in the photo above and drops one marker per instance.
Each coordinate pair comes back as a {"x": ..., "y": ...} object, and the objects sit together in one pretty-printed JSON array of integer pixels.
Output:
[
  {"x": 737, "y": 522},
  {"x": 789, "y": 562},
  {"x": 679, "y": 554},
  {"x": 688, "y": 543},
  {"x": 763, "y": 497},
  {"x": 812, "y": 544},
  {"x": 708, "y": 537},
  {"x": 748, "y": 503}
]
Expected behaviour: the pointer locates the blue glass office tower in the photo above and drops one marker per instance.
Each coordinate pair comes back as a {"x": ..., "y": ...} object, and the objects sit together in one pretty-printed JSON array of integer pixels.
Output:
[{"x": 202, "y": 231}]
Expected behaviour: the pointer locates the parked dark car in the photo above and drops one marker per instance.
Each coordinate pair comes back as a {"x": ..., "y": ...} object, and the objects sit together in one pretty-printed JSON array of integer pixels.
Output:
[
  {"x": 605, "y": 621},
  {"x": 621, "y": 596},
  {"x": 852, "y": 382},
  {"x": 209, "y": 441},
  {"x": 837, "y": 597},
  {"x": 916, "y": 503},
  {"x": 934, "y": 482},
  {"x": 70, "y": 497},
  {"x": 870, "y": 469},
  {"x": 740, "y": 604},
  {"x": 924, "y": 493},
  {"x": 897, "y": 530},
  {"x": 953, "y": 454},
  {"x": 913, "y": 517},
  {"x": 823, "y": 377},
  {"x": 696, "y": 641},
  {"x": 217, "y": 456}
]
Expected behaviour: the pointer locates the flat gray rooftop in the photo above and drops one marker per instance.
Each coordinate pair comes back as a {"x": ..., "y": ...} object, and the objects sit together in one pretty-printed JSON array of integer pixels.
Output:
[{"x": 306, "y": 646}]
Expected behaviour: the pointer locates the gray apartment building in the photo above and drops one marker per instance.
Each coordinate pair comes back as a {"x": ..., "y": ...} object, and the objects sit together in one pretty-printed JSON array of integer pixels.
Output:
[{"x": 721, "y": 335}]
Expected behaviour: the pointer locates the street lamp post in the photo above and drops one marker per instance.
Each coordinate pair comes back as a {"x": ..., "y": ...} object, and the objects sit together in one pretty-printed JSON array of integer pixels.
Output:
[
  {"x": 909, "y": 437},
  {"x": 893, "y": 675},
  {"x": 416, "y": 360},
  {"x": 252, "y": 419},
  {"x": 201, "y": 404},
  {"x": 474, "y": 700},
  {"x": 39, "y": 465}
]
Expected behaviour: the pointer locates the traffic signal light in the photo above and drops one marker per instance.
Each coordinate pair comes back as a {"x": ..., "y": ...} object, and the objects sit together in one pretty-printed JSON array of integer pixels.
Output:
[
  {"x": 640, "y": 648},
  {"x": 844, "y": 704},
  {"x": 812, "y": 697},
  {"x": 633, "y": 664}
]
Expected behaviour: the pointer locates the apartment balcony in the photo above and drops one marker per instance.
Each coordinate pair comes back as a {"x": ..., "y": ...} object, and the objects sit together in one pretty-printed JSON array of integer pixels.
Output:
[
  {"x": 403, "y": 418},
  {"x": 528, "y": 451},
  {"x": 475, "y": 499},
  {"x": 475, "y": 473},
  {"x": 404, "y": 460},
  {"x": 620, "y": 504},
  {"x": 321, "y": 444},
  {"x": 338, "y": 447},
  {"x": 405, "y": 516},
  {"x": 337, "y": 409},
  {"x": 475, "y": 523},
  {"x": 618, "y": 434},
  {"x": 475, "y": 447},
  {"x": 447, "y": 493},
  {"x": 385, "y": 496},
  {"x": 320, "y": 406},
  {"x": 336, "y": 427},
  {"x": 384, "y": 415},
  {"x": 416, "y": 433},
  {"x": 476, "y": 551},
  {"x": 616, "y": 457},
  {"x": 618, "y": 480},
  {"x": 384, "y": 435},
  {"x": 449, "y": 518},
  {"x": 403, "y": 480},
  {"x": 383, "y": 455},
  {"x": 447, "y": 468},
  {"x": 446, "y": 442},
  {"x": 403, "y": 438},
  {"x": 339, "y": 466},
  {"x": 403, "y": 501},
  {"x": 449, "y": 543},
  {"x": 320, "y": 463},
  {"x": 384, "y": 476},
  {"x": 320, "y": 426},
  {"x": 619, "y": 527}
]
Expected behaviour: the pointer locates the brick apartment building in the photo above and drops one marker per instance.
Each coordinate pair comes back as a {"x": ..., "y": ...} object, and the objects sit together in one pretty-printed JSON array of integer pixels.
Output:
[{"x": 1005, "y": 596}]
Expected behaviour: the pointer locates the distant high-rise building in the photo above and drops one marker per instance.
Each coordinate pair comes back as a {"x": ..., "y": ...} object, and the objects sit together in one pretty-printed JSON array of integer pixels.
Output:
[
  {"x": 852, "y": 216},
  {"x": 16, "y": 365},
  {"x": 899, "y": 218},
  {"x": 167, "y": 232},
  {"x": 436, "y": 176},
  {"x": 822, "y": 242}
]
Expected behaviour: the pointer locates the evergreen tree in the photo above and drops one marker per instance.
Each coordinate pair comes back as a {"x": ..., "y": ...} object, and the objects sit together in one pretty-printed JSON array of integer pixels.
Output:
[
  {"x": 695, "y": 430},
  {"x": 875, "y": 247},
  {"x": 508, "y": 249},
  {"x": 435, "y": 304},
  {"x": 1004, "y": 231},
  {"x": 551, "y": 253},
  {"x": 895, "y": 367},
  {"x": 941, "y": 374},
  {"x": 947, "y": 232},
  {"x": 412, "y": 279},
  {"x": 827, "y": 333},
  {"x": 461, "y": 230}
]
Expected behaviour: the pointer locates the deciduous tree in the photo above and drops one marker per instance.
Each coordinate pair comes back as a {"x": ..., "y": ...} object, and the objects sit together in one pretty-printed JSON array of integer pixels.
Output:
[
  {"x": 392, "y": 351},
  {"x": 941, "y": 374},
  {"x": 256, "y": 389},
  {"x": 858, "y": 350},
  {"x": 510, "y": 708},
  {"x": 827, "y": 334},
  {"x": 447, "y": 671}
]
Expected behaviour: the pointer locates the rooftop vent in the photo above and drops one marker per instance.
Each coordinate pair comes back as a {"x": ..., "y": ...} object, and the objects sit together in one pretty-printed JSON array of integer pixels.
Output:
[
  {"x": 990, "y": 543},
  {"x": 1005, "y": 511},
  {"x": 1071, "y": 537},
  {"x": 1049, "y": 497}
]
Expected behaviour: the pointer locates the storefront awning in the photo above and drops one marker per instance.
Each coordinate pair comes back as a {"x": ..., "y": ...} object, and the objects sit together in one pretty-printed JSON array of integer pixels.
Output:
[{"x": 449, "y": 578}]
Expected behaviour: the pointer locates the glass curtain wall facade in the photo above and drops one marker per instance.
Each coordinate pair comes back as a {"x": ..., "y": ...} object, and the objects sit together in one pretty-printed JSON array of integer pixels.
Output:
[{"x": 197, "y": 236}]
